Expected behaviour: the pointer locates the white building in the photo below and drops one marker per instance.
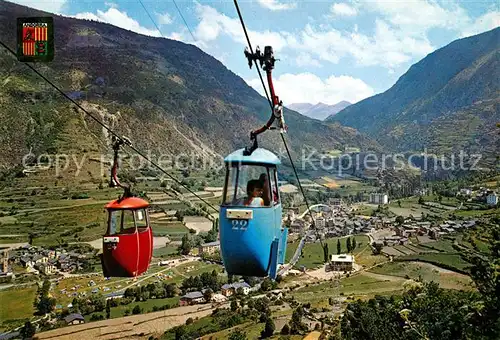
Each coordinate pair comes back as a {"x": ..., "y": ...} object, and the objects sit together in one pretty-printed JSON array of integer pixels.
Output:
[
  {"x": 376, "y": 198},
  {"x": 492, "y": 199},
  {"x": 342, "y": 262}
]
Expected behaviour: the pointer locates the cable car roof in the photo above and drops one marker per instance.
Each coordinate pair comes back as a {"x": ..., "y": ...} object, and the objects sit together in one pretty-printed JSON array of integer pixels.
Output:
[
  {"x": 258, "y": 156},
  {"x": 128, "y": 203}
]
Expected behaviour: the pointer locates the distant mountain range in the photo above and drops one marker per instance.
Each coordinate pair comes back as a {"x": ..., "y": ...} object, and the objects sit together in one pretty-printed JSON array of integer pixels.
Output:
[
  {"x": 448, "y": 101},
  {"x": 167, "y": 96},
  {"x": 319, "y": 111}
]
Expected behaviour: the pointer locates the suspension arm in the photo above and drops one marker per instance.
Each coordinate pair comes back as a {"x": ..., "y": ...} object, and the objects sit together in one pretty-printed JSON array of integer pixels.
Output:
[{"x": 267, "y": 61}]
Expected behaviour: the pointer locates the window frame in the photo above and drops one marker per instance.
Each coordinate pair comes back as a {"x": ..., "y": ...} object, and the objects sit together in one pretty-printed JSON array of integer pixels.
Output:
[
  {"x": 120, "y": 219},
  {"x": 237, "y": 166}
]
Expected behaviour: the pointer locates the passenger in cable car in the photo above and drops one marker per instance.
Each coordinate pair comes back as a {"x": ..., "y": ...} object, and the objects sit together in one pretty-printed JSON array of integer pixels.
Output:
[{"x": 254, "y": 192}]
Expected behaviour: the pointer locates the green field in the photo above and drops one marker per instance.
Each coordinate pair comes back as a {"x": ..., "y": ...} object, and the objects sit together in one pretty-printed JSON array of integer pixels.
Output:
[
  {"x": 146, "y": 306},
  {"x": 416, "y": 270},
  {"x": 312, "y": 254},
  {"x": 163, "y": 229},
  {"x": 165, "y": 251},
  {"x": 359, "y": 284},
  {"x": 16, "y": 304},
  {"x": 451, "y": 261}
]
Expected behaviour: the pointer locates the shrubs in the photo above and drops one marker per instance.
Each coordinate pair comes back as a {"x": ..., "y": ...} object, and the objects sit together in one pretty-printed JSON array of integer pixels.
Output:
[
  {"x": 137, "y": 310},
  {"x": 96, "y": 317},
  {"x": 79, "y": 196}
]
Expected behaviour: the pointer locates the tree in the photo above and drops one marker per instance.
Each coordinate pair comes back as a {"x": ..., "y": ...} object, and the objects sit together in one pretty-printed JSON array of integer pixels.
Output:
[
  {"x": 377, "y": 248},
  {"x": 211, "y": 236},
  {"x": 339, "y": 247},
  {"x": 28, "y": 331},
  {"x": 296, "y": 324},
  {"x": 285, "y": 330},
  {"x": 266, "y": 285},
  {"x": 237, "y": 335},
  {"x": 189, "y": 321},
  {"x": 234, "y": 306},
  {"x": 98, "y": 301},
  {"x": 207, "y": 295},
  {"x": 348, "y": 243},
  {"x": 46, "y": 305},
  {"x": 170, "y": 290},
  {"x": 421, "y": 200},
  {"x": 268, "y": 329},
  {"x": 325, "y": 252},
  {"x": 400, "y": 220},
  {"x": 353, "y": 243},
  {"x": 137, "y": 310},
  {"x": 186, "y": 245},
  {"x": 108, "y": 309}
]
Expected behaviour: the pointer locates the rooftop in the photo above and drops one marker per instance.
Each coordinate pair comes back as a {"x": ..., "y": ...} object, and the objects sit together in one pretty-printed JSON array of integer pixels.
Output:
[
  {"x": 341, "y": 258},
  {"x": 211, "y": 244},
  {"x": 193, "y": 295},
  {"x": 73, "y": 317}
]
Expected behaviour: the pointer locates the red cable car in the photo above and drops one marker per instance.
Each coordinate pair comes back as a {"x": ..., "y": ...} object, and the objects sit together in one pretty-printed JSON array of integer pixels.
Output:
[{"x": 128, "y": 242}]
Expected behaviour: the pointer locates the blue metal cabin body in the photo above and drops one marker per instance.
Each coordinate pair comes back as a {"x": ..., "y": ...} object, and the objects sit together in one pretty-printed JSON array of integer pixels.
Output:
[{"x": 253, "y": 242}]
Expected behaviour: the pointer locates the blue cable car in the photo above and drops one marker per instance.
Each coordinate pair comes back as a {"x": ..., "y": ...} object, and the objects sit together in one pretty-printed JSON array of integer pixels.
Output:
[
  {"x": 253, "y": 242},
  {"x": 252, "y": 239}
]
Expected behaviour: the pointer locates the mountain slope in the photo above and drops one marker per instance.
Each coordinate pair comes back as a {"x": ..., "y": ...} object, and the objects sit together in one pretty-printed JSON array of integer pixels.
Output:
[
  {"x": 447, "y": 101},
  {"x": 319, "y": 111},
  {"x": 167, "y": 96}
]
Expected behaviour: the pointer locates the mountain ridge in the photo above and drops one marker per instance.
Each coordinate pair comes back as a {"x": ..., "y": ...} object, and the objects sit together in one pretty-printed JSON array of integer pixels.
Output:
[
  {"x": 168, "y": 96},
  {"x": 447, "y": 101},
  {"x": 319, "y": 111}
]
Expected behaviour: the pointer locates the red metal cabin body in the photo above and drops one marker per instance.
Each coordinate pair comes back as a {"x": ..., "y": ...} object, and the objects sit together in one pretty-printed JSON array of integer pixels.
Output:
[{"x": 128, "y": 242}]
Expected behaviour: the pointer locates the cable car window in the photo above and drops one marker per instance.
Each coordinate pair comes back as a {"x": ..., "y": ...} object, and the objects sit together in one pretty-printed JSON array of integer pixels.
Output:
[
  {"x": 128, "y": 222},
  {"x": 113, "y": 228},
  {"x": 141, "y": 219},
  {"x": 246, "y": 186}
]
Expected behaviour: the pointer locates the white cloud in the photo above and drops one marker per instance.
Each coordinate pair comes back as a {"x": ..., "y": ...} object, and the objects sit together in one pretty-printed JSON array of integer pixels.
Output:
[
  {"x": 275, "y": 5},
  {"x": 164, "y": 19},
  {"x": 484, "y": 23},
  {"x": 343, "y": 9},
  {"x": 418, "y": 16},
  {"x": 212, "y": 24},
  {"x": 118, "y": 18},
  {"x": 52, "y": 6},
  {"x": 387, "y": 47},
  {"x": 305, "y": 60},
  {"x": 309, "y": 88}
]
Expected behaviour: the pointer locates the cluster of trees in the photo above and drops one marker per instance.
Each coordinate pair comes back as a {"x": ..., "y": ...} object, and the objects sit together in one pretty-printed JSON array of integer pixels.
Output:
[
  {"x": 215, "y": 257},
  {"x": 188, "y": 242},
  {"x": 205, "y": 280},
  {"x": 191, "y": 211},
  {"x": 414, "y": 315},
  {"x": 94, "y": 303},
  {"x": 220, "y": 319},
  {"x": 151, "y": 291},
  {"x": 350, "y": 244},
  {"x": 43, "y": 302}
]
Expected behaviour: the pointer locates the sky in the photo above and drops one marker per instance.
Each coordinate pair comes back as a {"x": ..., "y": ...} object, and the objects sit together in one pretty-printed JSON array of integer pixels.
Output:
[{"x": 329, "y": 51}]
